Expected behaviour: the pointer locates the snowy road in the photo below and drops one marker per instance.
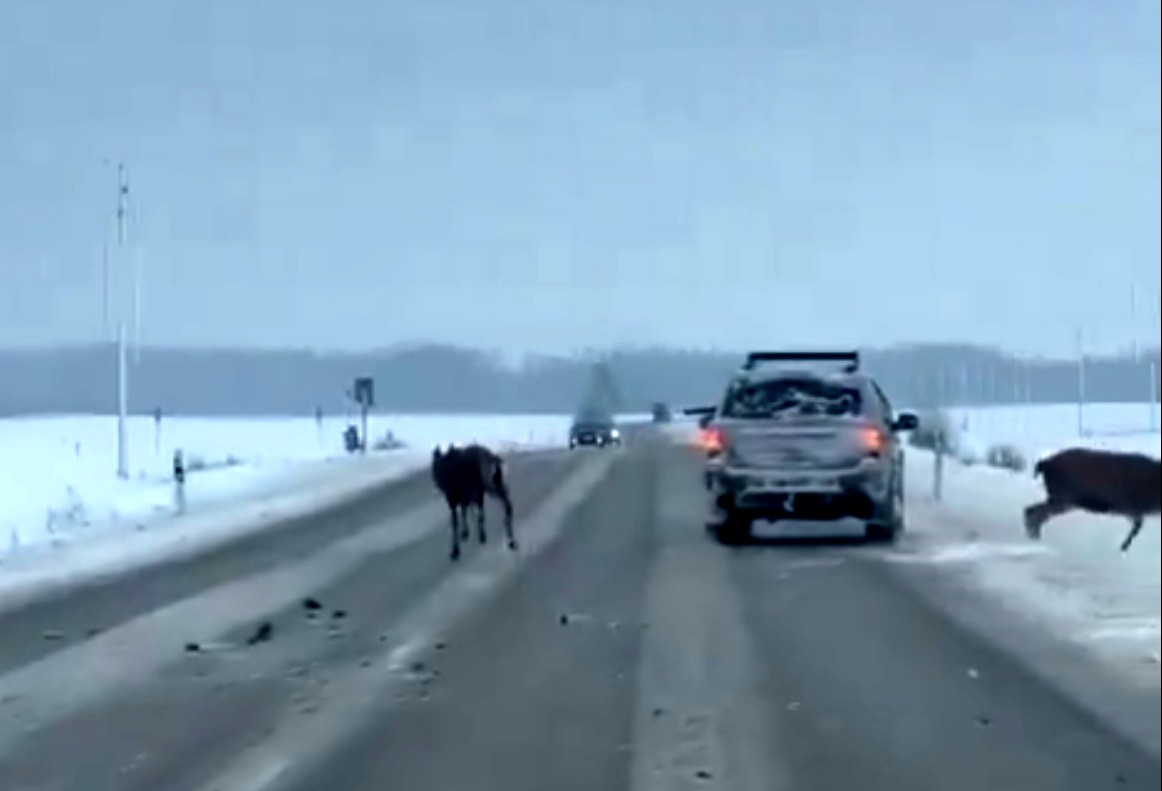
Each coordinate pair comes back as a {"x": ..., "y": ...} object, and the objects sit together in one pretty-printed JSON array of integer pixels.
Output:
[{"x": 622, "y": 649}]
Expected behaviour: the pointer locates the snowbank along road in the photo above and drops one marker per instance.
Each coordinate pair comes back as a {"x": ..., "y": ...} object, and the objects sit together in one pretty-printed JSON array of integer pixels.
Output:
[{"x": 621, "y": 648}]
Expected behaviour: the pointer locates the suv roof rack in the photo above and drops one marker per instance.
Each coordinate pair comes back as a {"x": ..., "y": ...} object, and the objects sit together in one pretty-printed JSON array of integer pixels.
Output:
[{"x": 851, "y": 358}]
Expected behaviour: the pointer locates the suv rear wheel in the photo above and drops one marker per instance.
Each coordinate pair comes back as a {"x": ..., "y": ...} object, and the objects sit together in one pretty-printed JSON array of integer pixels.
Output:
[
  {"x": 888, "y": 530},
  {"x": 732, "y": 530}
]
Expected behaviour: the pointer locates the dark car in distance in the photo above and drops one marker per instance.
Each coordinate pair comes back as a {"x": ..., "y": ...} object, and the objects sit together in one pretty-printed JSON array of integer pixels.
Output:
[
  {"x": 796, "y": 442},
  {"x": 597, "y": 432}
]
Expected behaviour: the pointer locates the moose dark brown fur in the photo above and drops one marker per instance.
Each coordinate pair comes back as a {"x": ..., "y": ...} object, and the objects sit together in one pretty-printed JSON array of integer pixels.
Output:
[
  {"x": 1100, "y": 482},
  {"x": 464, "y": 476}
]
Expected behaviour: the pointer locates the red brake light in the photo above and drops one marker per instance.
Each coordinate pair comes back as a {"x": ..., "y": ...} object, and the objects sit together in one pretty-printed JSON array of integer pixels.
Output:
[
  {"x": 873, "y": 440},
  {"x": 712, "y": 441}
]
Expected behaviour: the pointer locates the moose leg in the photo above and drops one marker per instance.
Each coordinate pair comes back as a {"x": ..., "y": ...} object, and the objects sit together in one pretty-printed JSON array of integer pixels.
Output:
[
  {"x": 1136, "y": 525},
  {"x": 480, "y": 534},
  {"x": 504, "y": 499},
  {"x": 455, "y": 533},
  {"x": 1038, "y": 514},
  {"x": 464, "y": 522},
  {"x": 1035, "y": 516}
]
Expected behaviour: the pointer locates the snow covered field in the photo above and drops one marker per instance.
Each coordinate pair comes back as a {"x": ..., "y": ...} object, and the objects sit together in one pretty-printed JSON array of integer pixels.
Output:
[
  {"x": 1040, "y": 430},
  {"x": 58, "y": 482}
]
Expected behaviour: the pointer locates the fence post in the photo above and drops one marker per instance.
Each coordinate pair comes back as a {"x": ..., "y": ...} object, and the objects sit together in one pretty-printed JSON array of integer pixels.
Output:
[
  {"x": 938, "y": 467},
  {"x": 179, "y": 480}
]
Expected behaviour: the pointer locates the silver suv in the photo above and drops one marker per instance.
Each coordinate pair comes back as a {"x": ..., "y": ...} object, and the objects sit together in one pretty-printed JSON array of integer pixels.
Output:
[{"x": 793, "y": 439}]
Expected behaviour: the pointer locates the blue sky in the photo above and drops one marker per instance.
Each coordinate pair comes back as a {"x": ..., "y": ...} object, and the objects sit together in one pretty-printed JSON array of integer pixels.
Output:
[{"x": 552, "y": 175}]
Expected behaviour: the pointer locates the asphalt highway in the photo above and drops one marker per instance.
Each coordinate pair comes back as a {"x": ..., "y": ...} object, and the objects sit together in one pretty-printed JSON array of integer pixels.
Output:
[{"x": 619, "y": 648}]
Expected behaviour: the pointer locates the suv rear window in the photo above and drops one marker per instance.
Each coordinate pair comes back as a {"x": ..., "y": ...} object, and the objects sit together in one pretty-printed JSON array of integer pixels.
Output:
[{"x": 787, "y": 397}]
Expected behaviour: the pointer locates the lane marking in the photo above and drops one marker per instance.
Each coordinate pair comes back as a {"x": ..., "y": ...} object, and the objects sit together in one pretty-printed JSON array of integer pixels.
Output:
[
  {"x": 699, "y": 720},
  {"x": 297, "y": 743}
]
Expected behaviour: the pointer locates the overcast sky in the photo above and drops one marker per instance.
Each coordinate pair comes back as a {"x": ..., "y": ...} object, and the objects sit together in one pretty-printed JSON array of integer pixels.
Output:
[{"x": 554, "y": 174}]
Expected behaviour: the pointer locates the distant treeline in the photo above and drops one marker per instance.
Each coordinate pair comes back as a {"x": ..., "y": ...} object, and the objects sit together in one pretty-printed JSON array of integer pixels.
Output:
[{"x": 435, "y": 378}]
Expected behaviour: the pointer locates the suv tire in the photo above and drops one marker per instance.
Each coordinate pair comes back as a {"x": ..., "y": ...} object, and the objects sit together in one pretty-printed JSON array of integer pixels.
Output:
[{"x": 732, "y": 530}]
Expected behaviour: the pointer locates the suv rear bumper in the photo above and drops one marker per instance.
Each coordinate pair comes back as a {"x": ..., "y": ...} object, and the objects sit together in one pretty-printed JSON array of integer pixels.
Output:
[{"x": 863, "y": 492}]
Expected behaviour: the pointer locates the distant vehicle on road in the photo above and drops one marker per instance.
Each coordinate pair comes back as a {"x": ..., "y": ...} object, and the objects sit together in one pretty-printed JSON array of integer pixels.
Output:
[
  {"x": 594, "y": 430},
  {"x": 804, "y": 436},
  {"x": 661, "y": 412}
]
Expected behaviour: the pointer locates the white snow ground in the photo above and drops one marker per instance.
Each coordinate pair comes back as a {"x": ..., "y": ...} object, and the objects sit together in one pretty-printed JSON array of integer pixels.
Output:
[
  {"x": 1075, "y": 580},
  {"x": 58, "y": 482},
  {"x": 1040, "y": 430}
]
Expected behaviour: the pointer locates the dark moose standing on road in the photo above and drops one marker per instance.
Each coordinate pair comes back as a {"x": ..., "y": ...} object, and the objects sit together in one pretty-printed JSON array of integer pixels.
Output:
[{"x": 464, "y": 476}]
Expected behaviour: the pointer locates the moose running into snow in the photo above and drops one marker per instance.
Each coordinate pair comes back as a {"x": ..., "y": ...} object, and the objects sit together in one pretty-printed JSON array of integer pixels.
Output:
[
  {"x": 1100, "y": 482},
  {"x": 464, "y": 476}
]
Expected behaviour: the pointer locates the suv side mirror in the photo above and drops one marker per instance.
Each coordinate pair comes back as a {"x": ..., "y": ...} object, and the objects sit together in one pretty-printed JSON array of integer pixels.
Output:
[{"x": 906, "y": 421}]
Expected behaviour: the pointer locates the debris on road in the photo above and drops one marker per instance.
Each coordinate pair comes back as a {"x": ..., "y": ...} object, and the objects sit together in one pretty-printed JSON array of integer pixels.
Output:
[
  {"x": 193, "y": 648},
  {"x": 52, "y": 634},
  {"x": 339, "y": 614},
  {"x": 576, "y": 617},
  {"x": 311, "y": 604},
  {"x": 262, "y": 634}
]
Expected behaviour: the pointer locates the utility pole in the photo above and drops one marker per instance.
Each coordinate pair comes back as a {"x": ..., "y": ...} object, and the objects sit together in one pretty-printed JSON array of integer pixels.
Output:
[
  {"x": 106, "y": 293},
  {"x": 1080, "y": 386},
  {"x": 122, "y": 372}
]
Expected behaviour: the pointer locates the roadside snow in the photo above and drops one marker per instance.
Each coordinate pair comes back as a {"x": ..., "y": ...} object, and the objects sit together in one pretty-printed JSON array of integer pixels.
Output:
[
  {"x": 112, "y": 549},
  {"x": 1043, "y": 429},
  {"x": 1075, "y": 580},
  {"x": 58, "y": 484}
]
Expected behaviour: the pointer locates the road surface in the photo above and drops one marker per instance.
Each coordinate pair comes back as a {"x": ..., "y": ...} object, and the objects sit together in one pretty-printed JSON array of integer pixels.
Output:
[{"x": 620, "y": 648}]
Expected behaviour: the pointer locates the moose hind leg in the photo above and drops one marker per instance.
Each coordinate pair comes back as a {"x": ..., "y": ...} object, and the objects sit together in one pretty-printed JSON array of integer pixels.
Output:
[
  {"x": 480, "y": 516},
  {"x": 464, "y": 527},
  {"x": 1135, "y": 527},
  {"x": 455, "y": 534},
  {"x": 508, "y": 520}
]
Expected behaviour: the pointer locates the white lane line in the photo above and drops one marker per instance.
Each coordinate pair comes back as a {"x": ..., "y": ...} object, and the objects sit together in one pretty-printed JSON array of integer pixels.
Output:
[
  {"x": 48, "y": 689},
  {"x": 700, "y": 720},
  {"x": 297, "y": 743}
]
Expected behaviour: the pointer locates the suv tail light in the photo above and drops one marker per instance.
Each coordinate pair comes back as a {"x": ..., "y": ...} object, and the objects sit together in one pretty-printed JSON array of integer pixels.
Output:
[
  {"x": 872, "y": 440},
  {"x": 713, "y": 441}
]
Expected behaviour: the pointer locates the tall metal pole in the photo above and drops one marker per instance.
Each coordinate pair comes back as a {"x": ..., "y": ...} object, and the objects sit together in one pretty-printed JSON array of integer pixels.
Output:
[
  {"x": 122, "y": 372},
  {"x": 1155, "y": 406},
  {"x": 1134, "y": 322},
  {"x": 1080, "y": 386},
  {"x": 106, "y": 293},
  {"x": 135, "y": 265}
]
